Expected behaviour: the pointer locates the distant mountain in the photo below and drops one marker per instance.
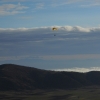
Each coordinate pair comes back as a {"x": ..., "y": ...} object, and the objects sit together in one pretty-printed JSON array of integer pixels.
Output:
[{"x": 16, "y": 77}]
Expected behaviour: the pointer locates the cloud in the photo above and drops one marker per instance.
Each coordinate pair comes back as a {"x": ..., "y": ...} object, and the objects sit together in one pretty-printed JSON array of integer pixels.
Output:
[
  {"x": 80, "y": 3},
  {"x": 51, "y": 57},
  {"x": 91, "y": 5},
  {"x": 71, "y": 57},
  {"x": 13, "y": 0},
  {"x": 11, "y": 9},
  {"x": 70, "y": 43},
  {"x": 18, "y": 57},
  {"x": 39, "y": 6},
  {"x": 5, "y": 58},
  {"x": 64, "y": 33},
  {"x": 74, "y": 29},
  {"x": 77, "y": 69},
  {"x": 26, "y": 17},
  {"x": 64, "y": 2}
]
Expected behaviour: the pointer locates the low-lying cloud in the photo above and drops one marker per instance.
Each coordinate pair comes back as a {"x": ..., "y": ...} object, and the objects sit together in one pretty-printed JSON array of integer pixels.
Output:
[
  {"x": 77, "y": 69},
  {"x": 19, "y": 57},
  {"x": 65, "y": 43},
  {"x": 64, "y": 33},
  {"x": 52, "y": 57},
  {"x": 71, "y": 57}
]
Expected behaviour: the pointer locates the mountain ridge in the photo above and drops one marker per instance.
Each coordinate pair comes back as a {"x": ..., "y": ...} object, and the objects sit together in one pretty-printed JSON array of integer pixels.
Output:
[{"x": 17, "y": 77}]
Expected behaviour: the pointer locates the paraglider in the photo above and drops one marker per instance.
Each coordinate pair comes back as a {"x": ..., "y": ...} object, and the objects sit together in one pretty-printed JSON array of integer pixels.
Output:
[{"x": 54, "y": 29}]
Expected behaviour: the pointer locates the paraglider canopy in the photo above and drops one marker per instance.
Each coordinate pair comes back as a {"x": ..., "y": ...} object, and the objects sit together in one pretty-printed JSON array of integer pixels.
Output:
[{"x": 54, "y": 28}]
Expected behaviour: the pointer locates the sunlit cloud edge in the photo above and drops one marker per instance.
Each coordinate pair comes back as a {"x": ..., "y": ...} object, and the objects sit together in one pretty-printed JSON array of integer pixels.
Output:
[{"x": 78, "y": 69}]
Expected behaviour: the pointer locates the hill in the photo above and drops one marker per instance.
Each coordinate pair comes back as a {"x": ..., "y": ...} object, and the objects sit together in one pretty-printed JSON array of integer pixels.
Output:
[{"x": 16, "y": 77}]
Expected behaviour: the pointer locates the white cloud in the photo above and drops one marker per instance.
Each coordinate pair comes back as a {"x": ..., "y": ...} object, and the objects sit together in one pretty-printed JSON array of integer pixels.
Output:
[
  {"x": 60, "y": 28},
  {"x": 11, "y": 9},
  {"x": 74, "y": 29},
  {"x": 64, "y": 33},
  {"x": 78, "y": 69}
]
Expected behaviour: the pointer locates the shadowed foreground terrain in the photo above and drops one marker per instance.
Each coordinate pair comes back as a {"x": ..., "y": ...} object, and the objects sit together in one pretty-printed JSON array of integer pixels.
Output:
[
  {"x": 28, "y": 83},
  {"x": 15, "y": 77},
  {"x": 87, "y": 93}
]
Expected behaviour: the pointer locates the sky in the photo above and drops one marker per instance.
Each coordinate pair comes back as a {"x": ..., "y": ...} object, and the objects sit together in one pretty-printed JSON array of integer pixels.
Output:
[{"x": 27, "y": 38}]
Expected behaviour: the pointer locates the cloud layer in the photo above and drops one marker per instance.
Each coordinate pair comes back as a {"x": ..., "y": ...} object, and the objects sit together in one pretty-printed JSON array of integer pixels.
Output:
[
  {"x": 66, "y": 43},
  {"x": 64, "y": 33},
  {"x": 77, "y": 69}
]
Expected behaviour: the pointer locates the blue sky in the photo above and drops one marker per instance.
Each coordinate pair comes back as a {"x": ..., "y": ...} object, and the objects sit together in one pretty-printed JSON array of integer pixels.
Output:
[{"x": 27, "y": 38}]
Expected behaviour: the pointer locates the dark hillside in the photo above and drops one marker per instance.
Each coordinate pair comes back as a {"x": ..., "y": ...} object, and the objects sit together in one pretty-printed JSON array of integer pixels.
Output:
[
  {"x": 19, "y": 77},
  {"x": 16, "y": 77},
  {"x": 94, "y": 77}
]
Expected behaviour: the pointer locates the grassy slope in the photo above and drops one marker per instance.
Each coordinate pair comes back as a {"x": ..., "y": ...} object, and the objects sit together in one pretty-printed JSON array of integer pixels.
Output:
[
  {"x": 90, "y": 93},
  {"x": 15, "y": 77}
]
